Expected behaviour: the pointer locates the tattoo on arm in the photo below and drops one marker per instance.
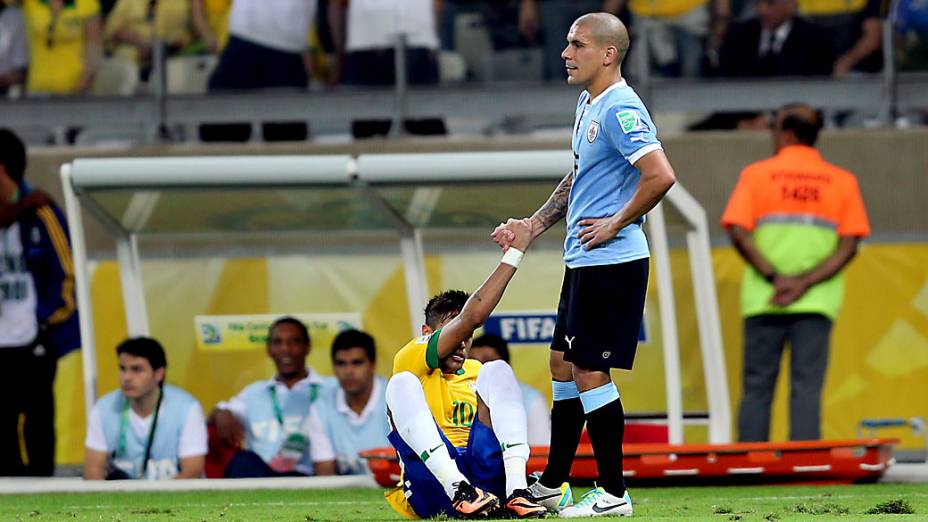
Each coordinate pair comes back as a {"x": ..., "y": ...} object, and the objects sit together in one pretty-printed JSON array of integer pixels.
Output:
[
  {"x": 556, "y": 207},
  {"x": 476, "y": 297}
]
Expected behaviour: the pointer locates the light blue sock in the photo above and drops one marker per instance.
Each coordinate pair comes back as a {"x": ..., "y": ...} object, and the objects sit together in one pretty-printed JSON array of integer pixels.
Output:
[
  {"x": 562, "y": 391},
  {"x": 598, "y": 397}
]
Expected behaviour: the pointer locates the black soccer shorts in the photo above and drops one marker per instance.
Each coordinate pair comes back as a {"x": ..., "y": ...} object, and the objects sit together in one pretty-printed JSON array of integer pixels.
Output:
[{"x": 599, "y": 314}]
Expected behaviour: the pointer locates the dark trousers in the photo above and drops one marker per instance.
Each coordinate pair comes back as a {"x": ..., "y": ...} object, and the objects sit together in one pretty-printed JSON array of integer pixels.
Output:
[
  {"x": 243, "y": 66},
  {"x": 248, "y": 464},
  {"x": 27, "y": 376},
  {"x": 376, "y": 67},
  {"x": 765, "y": 337}
]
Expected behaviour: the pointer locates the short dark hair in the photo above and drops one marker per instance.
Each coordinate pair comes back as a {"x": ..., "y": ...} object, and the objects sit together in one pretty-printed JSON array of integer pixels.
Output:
[
  {"x": 289, "y": 320},
  {"x": 146, "y": 348},
  {"x": 443, "y": 305},
  {"x": 493, "y": 341},
  {"x": 349, "y": 339},
  {"x": 805, "y": 129},
  {"x": 12, "y": 155}
]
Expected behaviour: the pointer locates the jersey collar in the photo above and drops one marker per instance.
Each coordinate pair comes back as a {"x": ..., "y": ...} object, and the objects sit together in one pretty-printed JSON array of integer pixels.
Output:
[
  {"x": 311, "y": 378},
  {"x": 616, "y": 85},
  {"x": 341, "y": 404},
  {"x": 803, "y": 152}
]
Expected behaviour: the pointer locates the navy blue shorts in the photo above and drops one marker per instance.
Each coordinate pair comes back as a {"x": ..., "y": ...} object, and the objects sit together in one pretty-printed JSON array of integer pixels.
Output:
[
  {"x": 599, "y": 315},
  {"x": 481, "y": 461}
]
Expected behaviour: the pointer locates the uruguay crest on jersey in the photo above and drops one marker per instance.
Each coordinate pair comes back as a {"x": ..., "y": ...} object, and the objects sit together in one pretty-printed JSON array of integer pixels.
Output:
[{"x": 592, "y": 131}]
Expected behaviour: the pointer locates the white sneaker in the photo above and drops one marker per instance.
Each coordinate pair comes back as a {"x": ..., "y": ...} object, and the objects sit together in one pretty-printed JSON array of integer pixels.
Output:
[
  {"x": 598, "y": 503},
  {"x": 555, "y": 499}
]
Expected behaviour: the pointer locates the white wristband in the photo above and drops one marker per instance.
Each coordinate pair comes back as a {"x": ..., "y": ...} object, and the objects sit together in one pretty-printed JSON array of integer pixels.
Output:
[{"x": 512, "y": 257}]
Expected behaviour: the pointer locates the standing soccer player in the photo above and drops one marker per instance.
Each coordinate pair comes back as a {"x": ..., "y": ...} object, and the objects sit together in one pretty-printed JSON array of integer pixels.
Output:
[{"x": 620, "y": 173}]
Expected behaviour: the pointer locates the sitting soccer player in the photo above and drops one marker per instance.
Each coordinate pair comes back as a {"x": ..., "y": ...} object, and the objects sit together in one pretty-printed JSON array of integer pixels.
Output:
[
  {"x": 459, "y": 426},
  {"x": 270, "y": 415},
  {"x": 146, "y": 429}
]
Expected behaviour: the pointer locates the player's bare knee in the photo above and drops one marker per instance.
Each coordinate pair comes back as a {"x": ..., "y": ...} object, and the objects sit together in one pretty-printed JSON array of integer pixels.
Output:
[
  {"x": 561, "y": 370},
  {"x": 587, "y": 378}
]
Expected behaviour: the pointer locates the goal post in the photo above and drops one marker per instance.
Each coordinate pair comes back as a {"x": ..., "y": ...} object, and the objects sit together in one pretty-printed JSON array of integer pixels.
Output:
[{"x": 392, "y": 197}]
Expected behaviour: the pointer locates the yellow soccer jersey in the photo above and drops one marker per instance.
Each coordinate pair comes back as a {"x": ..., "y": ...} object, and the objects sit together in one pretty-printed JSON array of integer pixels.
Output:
[{"x": 452, "y": 397}]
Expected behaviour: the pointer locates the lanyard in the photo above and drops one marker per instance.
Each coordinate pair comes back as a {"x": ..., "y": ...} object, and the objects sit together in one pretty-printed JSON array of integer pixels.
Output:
[
  {"x": 277, "y": 410},
  {"x": 124, "y": 428},
  {"x": 5, "y": 248}
]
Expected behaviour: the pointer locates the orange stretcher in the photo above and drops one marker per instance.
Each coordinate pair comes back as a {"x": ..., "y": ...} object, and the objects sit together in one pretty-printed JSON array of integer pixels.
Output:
[{"x": 831, "y": 462}]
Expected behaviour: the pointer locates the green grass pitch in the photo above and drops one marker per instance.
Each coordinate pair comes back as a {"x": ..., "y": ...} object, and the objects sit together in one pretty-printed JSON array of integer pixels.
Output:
[{"x": 717, "y": 504}]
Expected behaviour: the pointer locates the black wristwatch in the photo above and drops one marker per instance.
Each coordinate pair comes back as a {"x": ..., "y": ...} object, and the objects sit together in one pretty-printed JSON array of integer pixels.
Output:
[{"x": 771, "y": 276}]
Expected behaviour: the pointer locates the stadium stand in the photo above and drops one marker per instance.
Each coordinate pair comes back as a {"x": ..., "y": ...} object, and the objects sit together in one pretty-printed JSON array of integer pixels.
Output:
[{"x": 496, "y": 51}]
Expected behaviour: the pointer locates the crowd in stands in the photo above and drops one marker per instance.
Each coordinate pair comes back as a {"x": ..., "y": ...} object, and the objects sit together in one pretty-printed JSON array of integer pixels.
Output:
[
  {"x": 60, "y": 47},
  {"x": 296, "y": 423}
]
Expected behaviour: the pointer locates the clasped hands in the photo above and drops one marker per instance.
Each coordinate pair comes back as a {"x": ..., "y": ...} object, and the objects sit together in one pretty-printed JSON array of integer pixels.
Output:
[{"x": 788, "y": 289}]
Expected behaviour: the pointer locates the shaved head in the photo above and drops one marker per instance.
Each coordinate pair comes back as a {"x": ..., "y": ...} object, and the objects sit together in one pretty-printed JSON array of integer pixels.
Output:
[{"x": 607, "y": 30}]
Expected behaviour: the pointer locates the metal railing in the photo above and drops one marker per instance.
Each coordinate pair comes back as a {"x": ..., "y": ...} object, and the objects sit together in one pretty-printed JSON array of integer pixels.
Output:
[{"x": 167, "y": 117}]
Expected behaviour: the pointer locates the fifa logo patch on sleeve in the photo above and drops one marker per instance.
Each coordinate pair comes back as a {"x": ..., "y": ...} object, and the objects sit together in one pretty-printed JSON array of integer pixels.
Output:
[
  {"x": 628, "y": 120},
  {"x": 592, "y": 131}
]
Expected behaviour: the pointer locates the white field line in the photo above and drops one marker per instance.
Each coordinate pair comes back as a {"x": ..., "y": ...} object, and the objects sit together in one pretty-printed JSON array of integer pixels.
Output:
[
  {"x": 372, "y": 502},
  {"x": 76, "y": 485},
  {"x": 232, "y": 504}
]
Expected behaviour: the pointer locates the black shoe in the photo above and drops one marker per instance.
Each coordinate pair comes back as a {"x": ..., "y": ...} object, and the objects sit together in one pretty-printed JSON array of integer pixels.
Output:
[
  {"x": 521, "y": 504},
  {"x": 470, "y": 502}
]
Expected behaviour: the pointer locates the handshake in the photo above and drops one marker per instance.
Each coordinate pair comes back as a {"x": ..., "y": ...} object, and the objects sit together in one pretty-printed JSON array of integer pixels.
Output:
[{"x": 515, "y": 233}]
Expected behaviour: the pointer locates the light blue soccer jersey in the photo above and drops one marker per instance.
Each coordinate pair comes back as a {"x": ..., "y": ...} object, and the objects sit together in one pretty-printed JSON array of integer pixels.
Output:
[
  {"x": 267, "y": 427},
  {"x": 129, "y": 447},
  {"x": 611, "y": 133},
  {"x": 351, "y": 433}
]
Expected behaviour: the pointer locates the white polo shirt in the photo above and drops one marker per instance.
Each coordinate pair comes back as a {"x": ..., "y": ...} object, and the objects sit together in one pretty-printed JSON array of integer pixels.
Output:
[
  {"x": 281, "y": 24},
  {"x": 374, "y": 24}
]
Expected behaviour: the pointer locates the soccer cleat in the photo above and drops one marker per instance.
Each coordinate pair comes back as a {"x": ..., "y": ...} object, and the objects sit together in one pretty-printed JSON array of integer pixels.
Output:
[
  {"x": 521, "y": 504},
  {"x": 555, "y": 499},
  {"x": 470, "y": 502},
  {"x": 598, "y": 503}
]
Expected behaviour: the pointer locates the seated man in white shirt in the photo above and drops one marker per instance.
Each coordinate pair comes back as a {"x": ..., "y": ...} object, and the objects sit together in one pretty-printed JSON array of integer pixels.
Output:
[
  {"x": 146, "y": 429},
  {"x": 491, "y": 347},
  {"x": 352, "y": 415},
  {"x": 269, "y": 416}
]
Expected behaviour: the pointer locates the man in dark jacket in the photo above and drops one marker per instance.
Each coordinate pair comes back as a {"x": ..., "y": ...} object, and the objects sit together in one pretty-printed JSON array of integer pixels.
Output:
[
  {"x": 38, "y": 317},
  {"x": 776, "y": 43}
]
